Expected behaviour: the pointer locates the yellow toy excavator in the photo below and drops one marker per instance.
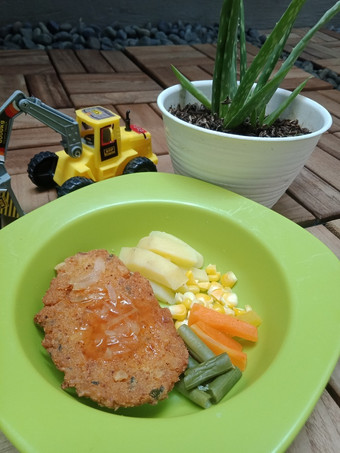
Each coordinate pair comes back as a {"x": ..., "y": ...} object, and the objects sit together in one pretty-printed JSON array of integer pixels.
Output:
[{"x": 95, "y": 147}]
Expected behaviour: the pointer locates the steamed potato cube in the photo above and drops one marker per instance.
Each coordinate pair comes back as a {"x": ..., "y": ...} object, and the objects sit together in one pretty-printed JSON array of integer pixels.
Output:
[
  {"x": 173, "y": 248},
  {"x": 162, "y": 293},
  {"x": 153, "y": 266}
]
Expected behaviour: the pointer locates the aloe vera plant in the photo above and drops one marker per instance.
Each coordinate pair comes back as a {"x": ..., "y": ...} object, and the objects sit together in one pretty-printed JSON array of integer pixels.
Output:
[{"x": 238, "y": 100}]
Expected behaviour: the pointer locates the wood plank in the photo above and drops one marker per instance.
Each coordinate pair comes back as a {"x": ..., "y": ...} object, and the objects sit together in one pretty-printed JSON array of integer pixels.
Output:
[
  {"x": 326, "y": 166},
  {"x": 315, "y": 195},
  {"x": 124, "y": 97},
  {"x": 25, "y": 62},
  {"x": 10, "y": 83},
  {"x": 334, "y": 227},
  {"x": 332, "y": 105},
  {"x": 151, "y": 57},
  {"x": 292, "y": 210},
  {"x": 34, "y": 137},
  {"x": 331, "y": 144},
  {"x": 18, "y": 160},
  {"x": 28, "y": 195},
  {"x": 143, "y": 115},
  {"x": 164, "y": 164},
  {"x": 321, "y": 431},
  {"x": 66, "y": 61},
  {"x": 334, "y": 384},
  {"x": 335, "y": 127},
  {"x": 108, "y": 83},
  {"x": 48, "y": 88},
  {"x": 327, "y": 237},
  {"x": 119, "y": 61},
  {"x": 93, "y": 61},
  {"x": 207, "y": 49}
]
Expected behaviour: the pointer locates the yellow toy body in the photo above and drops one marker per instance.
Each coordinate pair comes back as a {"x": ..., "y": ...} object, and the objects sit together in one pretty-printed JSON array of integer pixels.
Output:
[{"x": 107, "y": 147}]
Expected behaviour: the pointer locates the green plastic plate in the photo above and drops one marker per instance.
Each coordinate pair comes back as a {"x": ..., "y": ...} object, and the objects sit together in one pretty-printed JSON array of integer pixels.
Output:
[{"x": 289, "y": 277}]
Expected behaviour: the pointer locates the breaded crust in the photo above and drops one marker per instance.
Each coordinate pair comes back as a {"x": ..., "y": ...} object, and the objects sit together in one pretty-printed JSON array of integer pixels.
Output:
[{"x": 106, "y": 331}]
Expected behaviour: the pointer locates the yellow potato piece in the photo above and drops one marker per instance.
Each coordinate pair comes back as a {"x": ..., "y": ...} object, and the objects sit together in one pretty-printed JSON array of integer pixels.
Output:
[
  {"x": 162, "y": 293},
  {"x": 153, "y": 266},
  {"x": 173, "y": 248}
]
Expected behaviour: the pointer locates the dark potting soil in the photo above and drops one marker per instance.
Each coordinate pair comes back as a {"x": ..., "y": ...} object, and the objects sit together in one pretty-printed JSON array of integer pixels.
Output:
[{"x": 202, "y": 117}]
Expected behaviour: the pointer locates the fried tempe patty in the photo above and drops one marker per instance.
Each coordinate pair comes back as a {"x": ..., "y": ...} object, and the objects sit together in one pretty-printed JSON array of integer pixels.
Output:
[{"x": 106, "y": 331}]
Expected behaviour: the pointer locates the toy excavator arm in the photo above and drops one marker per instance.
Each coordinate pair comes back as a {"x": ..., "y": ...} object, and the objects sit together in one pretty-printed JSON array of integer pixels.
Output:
[
  {"x": 58, "y": 121},
  {"x": 17, "y": 103}
]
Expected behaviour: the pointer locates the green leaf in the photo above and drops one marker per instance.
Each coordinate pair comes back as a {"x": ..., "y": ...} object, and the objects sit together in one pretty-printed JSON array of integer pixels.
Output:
[
  {"x": 190, "y": 87},
  {"x": 264, "y": 54},
  {"x": 270, "y": 119},
  {"x": 243, "y": 50},
  {"x": 220, "y": 50}
]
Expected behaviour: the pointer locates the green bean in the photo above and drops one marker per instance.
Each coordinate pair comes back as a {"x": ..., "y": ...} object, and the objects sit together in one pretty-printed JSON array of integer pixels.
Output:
[
  {"x": 195, "y": 345},
  {"x": 222, "y": 384},
  {"x": 192, "y": 362},
  {"x": 207, "y": 370},
  {"x": 197, "y": 396}
]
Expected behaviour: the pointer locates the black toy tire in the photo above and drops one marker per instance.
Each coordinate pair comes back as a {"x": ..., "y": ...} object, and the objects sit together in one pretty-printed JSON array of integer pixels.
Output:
[
  {"x": 72, "y": 184},
  {"x": 139, "y": 165},
  {"x": 41, "y": 169}
]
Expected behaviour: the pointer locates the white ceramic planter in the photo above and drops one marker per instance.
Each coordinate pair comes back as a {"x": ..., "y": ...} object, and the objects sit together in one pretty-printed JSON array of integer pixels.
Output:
[{"x": 258, "y": 168}]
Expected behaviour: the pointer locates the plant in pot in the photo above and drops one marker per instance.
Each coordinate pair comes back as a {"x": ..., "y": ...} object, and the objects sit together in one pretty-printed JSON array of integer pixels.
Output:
[{"x": 264, "y": 135}]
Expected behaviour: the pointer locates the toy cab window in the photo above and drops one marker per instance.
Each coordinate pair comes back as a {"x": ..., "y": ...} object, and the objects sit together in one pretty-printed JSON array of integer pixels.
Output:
[
  {"x": 87, "y": 134},
  {"x": 106, "y": 135}
]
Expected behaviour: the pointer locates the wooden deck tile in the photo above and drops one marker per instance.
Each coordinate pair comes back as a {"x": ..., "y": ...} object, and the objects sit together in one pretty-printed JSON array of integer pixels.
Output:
[
  {"x": 315, "y": 195},
  {"x": 66, "y": 61},
  {"x": 327, "y": 237},
  {"x": 334, "y": 227},
  {"x": 119, "y": 97},
  {"x": 34, "y": 137},
  {"x": 107, "y": 83},
  {"x": 326, "y": 166},
  {"x": 159, "y": 56},
  {"x": 17, "y": 162},
  {"x": 322, "y": 97},
  {"x": 9, "y": 83},
  {"x": 25, "y": 61},
  {"x": 143, "y": 115},
  {"x": 47, "y": 88},
  {"x": 119, "y": 61},
  {"x": 291, "y": 209},
  {"x": 93, "y": 61},
  {"x": 330, "y": 144}
]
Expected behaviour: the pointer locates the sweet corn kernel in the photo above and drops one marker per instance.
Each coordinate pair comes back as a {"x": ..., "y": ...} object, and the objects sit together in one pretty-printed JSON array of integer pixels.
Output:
[
  {"x": 229, "y": 299},
  {"x": 179, "y": 323},
  {"x": 194, "y": 288},
  {"x": 218, "y": 307},
  {"x": 187, "y": 302},
  {"x": 214, "y": 277},
  {"x": 182, "y": 289},
  {"x": 204, "y": 286},
  {"x": 189, "y": 295},
  {"x": 248, "y": 308},
  {"x": 178, "y": 311},
  {"x": 238, "y": 311},
  {"x": 178, "y": 298},
  {"x": 202, "y": 297},
  {"x": 191, "y": 278},
  {"x": 210, "y": 269},
  {"x": 229, "y": 311},
  {"x": 228, "y": 279},
  {"x": 214, "y": 286},
  {"x": 217, "y": 294}
]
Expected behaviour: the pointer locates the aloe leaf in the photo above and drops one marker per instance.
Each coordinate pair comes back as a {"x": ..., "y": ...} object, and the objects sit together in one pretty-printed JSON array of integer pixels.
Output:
[
  {"x": 220, "y": 48},
  {"x": 190, "y": 87},
  {"x": 229, "y": 71},
  {"x": 286, "y": 21},
  {"x": 270, "y": 119},
  {"x": 237, "y": 117},
  {"x": 243, "y": 50}
]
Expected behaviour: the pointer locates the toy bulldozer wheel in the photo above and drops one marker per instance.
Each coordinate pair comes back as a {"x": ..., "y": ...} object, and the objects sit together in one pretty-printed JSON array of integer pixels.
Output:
[
  {"x": 138, "y": 165},
  {"x": 72, "y": 184},
  {"x": 41, "y": 169}
]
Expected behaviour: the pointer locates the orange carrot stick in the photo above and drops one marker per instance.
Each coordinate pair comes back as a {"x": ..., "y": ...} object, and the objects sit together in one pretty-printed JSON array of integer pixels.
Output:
[
  {"x": 238, "y": 358},
  {"x": 223, "y": 322},
  {"x": 219, "y": 336}
]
